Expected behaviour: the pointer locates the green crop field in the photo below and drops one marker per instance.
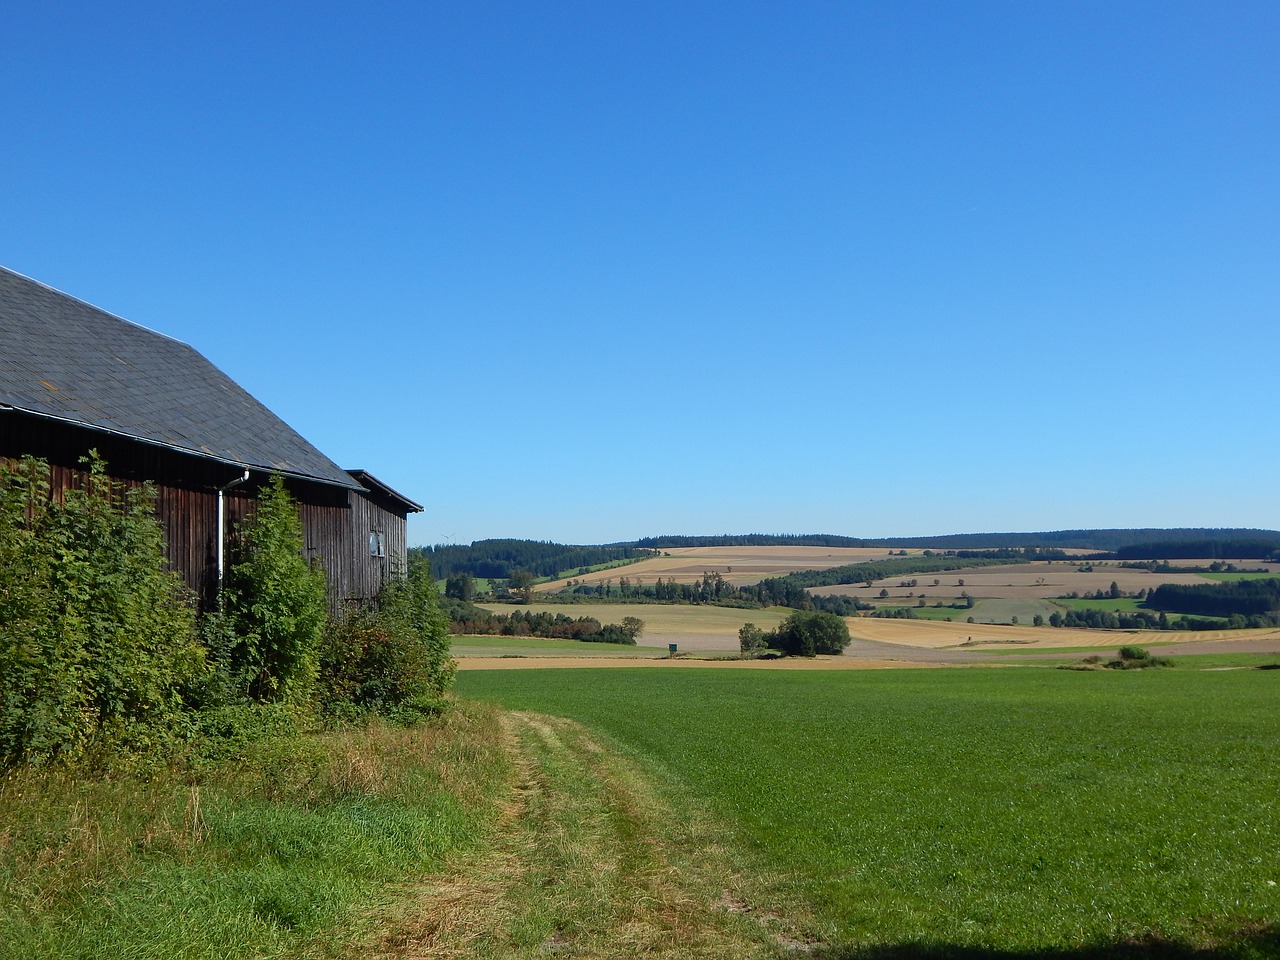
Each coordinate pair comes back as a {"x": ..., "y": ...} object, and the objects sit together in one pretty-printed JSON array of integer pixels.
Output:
[
  {"x": 1021, "y": 811},
  {"x": 1118, "y": 605}
]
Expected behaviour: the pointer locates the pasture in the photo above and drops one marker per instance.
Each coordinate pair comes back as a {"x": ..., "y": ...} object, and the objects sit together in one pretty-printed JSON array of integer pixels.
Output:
[{"x": 932, "y": 812}]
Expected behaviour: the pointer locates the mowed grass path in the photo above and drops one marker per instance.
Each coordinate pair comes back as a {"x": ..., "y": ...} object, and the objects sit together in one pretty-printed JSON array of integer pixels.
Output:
[{"x": 1016, "y": 810}]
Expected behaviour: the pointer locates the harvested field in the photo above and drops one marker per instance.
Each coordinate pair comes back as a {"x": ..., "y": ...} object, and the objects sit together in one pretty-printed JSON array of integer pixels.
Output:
[
  {"x": 787, "y": 663},
  {"x": 714, "y": 631},
  {"x": 1018, "y": 581},
  {"x": 739, "y": 565},
  {"x": 1273, "y": 568},
  {"x": 692, "y": 628},
  {"x": 941, "y": 635}
]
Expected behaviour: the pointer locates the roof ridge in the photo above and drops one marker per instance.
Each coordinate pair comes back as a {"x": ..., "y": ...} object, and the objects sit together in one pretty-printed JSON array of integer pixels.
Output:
[{"x": 94, "y": 306}]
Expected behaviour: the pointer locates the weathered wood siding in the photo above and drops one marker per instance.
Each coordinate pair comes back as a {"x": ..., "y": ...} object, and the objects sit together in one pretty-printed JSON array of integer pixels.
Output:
[
  {"x": 372, "y": 571},
  {"x": 336, "y": 522}
]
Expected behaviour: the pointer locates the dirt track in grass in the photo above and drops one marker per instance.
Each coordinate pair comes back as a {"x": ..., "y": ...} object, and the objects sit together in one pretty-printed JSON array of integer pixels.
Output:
[{"x": 586, "y": 861}]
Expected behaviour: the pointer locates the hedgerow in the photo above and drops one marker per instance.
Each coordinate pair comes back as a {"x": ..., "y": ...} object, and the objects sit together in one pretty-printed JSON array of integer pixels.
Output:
[{"x": 103, "y": 658}]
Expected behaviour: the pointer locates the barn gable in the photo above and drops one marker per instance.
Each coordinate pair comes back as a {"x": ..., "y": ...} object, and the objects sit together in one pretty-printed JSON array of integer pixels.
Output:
[{"x": 74, "y": 377}]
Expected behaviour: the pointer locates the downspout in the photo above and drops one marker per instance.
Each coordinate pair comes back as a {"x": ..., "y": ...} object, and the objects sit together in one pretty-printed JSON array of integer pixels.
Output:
[{"x": 222, "y": 527}]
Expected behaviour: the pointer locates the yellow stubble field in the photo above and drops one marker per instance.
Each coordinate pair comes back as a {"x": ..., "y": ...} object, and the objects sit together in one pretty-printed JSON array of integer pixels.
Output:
[
  {"x": 938, "y": 635},
  {"x": 1021, "y": 581},
  {"x": 693, "y": 628},
  {"x": 739, "y": 565}
]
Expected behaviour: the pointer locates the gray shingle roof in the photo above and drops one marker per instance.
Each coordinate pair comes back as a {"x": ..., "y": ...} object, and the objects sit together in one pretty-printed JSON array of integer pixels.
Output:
[{"x": 63, "y": 358}]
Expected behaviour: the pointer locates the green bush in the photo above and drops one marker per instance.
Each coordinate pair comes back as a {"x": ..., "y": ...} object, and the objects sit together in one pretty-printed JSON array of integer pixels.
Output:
[
  {"x": 807, "y": 633},
  {"x": 392, "y": 659},
  {"x": 751, "y": 639},
  {"x": 275, "y": 604},
  {"x": 1138, "y": 658},
  {"x": 98, "y": 652}
]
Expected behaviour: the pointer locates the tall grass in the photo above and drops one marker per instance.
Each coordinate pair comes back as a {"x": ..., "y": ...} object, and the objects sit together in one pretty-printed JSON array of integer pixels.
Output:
[
  {"x": 1022, "y": 811},
  {"x": 285, "y": 850}
]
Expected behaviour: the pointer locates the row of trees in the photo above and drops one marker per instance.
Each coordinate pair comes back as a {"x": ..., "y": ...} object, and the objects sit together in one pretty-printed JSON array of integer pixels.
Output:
[
  {"x": 500, "y": 559},
  {"x": 103, "y": 653},
  {"x": 1247, "y": 598},
  {"x": 469, "y": 620},
  {"x": 1265, "y": 547}
]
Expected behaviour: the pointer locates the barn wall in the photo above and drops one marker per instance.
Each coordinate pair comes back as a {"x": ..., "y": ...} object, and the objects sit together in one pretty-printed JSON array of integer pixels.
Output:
[
  {"x": 370, "y": 571},
  {"x": 186, "y": 504}
]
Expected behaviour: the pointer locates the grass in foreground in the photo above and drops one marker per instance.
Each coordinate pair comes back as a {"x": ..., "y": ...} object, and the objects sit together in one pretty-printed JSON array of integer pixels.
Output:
[
  {"x": 937, "y": 811},
  {"x": 286, "y": 851}
]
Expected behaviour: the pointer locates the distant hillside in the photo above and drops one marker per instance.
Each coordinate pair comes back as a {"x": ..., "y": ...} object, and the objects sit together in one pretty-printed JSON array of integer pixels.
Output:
[
  {"x": 498, "y": 559},
  {"x": 757, "y": 540},
  {"x": 1105, "y": 540}
]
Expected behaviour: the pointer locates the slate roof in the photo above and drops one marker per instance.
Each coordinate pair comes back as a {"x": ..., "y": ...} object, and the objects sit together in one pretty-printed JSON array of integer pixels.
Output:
[
  {"x": 68, "y": 360},
  {"x": 379, "y": 489}
]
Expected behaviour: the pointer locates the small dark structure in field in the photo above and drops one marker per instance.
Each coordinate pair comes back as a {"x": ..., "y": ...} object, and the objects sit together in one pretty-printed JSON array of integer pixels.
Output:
[{"x": 75, "y": 378}]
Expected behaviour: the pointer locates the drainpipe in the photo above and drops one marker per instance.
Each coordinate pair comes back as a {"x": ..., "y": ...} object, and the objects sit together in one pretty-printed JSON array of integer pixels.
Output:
[{"x": 222, "y": 527}]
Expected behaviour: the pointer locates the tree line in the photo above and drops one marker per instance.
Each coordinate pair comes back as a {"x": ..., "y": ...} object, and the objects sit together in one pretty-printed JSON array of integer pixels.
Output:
[
  {"x": 1255, "y": 548},
  {"x": 469, "y": 620},
  {"x": 499, "y": 559},
  {"x": 1104, "y": 540},
  {"x": 1247, "y": 598}
]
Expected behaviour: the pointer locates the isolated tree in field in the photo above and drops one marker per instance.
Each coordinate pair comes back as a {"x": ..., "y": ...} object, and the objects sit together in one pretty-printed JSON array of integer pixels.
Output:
[
  {"x": 884, "y": 592},
  {"x": 751, "y": 639},
  {"x": 521, "y": 584},
  {"x": 460, "y": 586},
  {"x": 807, "y": 633}
]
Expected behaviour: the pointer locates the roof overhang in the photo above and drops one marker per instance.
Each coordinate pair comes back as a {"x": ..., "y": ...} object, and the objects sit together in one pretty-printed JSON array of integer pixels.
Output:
[
  {"x": 202, "y": 454},
  {"x": 371, "y": 483}
]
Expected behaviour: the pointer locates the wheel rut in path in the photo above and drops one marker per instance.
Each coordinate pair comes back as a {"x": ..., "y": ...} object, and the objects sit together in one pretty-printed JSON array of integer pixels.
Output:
[{"x": 586, "y": 861}]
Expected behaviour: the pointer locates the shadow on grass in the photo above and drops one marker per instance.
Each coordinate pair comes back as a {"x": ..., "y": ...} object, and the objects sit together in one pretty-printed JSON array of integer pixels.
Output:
[{"x": 1257, "y": 944}]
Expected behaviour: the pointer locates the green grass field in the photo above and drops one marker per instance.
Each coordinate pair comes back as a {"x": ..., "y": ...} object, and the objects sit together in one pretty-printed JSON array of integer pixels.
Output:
[
  {"x": 1015, "y": 811},
  {"x": 287, "y": 849},
  {"x": 1118, "y": 605}
]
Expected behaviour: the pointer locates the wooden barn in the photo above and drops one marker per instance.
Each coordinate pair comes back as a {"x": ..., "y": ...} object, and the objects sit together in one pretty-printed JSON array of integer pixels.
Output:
[{"x": 74, "y": 378}]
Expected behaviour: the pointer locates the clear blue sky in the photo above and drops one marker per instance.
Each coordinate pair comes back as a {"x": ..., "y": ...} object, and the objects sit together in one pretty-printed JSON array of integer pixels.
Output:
[{"x": 596, "y": 271}]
